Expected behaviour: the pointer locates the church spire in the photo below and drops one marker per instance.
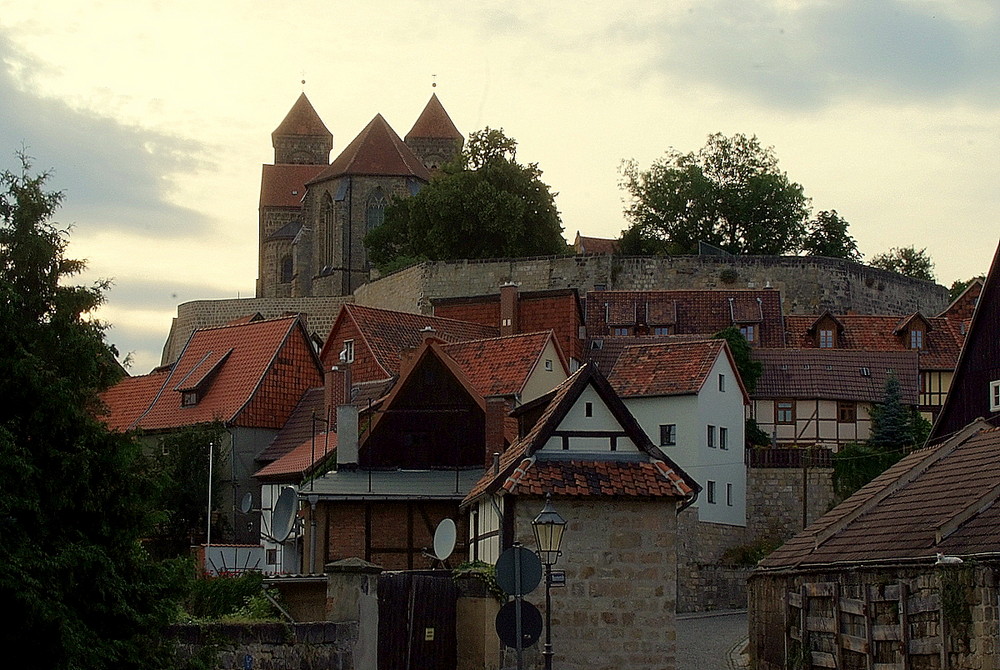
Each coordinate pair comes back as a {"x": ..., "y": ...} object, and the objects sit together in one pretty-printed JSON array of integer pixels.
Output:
[
  {"x": 302, "y": 137},
  {"x": 434, "y": 137}
]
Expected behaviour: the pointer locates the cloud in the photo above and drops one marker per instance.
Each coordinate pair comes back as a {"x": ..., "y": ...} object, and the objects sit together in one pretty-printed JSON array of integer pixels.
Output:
[
  {"x": 813, "y": 53},
  {"x": 114, "y": 176}
]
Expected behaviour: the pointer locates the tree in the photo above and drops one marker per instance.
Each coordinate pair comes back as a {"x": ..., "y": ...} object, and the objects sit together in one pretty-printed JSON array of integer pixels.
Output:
[
  {"x": 730, "y": 194},
  {"x": 77, "y": 588},
  {"x": 907, "y": 261},
  {"x": 827, "y": 235},
  {"x": 750, "y": 372},
  {"x": 486, "y": 205},
  {"x": 958, "y": 286}
]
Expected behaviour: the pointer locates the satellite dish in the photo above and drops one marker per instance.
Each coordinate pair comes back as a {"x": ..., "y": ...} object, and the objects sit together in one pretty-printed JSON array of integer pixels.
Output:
[
  {"x": 247, "y": 503},
  {"x": 444, "y": 539},
  {"x": 283, "y": 514}
]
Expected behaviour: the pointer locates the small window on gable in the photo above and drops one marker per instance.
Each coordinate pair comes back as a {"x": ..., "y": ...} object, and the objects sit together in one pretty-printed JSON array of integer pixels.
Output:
[
  {"x": 916, "y": 339},
  {"x": 668, "y": 434},
  {"x": 749, "y": 331},
  {"x": 995, "y": 396},
  {"x": 826, "y": 339},
  {"x": 722, "y": 383},
  {"x": 588, "y": 409},
  {"x": 347, "y": 354},
  {"x": 548, "y": 365}
]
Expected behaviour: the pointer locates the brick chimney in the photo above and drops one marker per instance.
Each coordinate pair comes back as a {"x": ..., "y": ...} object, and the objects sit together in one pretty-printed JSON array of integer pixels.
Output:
[
  {"x": 497, "y": 408},
  {"x": 334, "y": 390},
  {"x": 508, "y": 309}
]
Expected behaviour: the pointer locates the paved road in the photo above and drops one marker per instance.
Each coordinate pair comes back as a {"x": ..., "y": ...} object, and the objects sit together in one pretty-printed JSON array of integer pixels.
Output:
[{"x": 711, "y": 640}]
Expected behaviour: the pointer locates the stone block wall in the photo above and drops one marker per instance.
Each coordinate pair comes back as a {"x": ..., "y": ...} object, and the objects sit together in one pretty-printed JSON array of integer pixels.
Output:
[
  {"x": 306, "y": 646},
  {"x": 775, "y": 500},
  {"x": 617, "y": 608},
  {"x": 702, "y": 584}
]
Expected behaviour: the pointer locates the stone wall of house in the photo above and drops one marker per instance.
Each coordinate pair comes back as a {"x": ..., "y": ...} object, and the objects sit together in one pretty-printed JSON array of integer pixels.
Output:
[
  {"x": 808, "y": 285},
  {"x": 702, "y": 583},
  {"x": 775, "y": 500},
  {"x": 617, "y": 608},
  {"x": 307, "y": 646},
  {"x": 319, "y": 314}
]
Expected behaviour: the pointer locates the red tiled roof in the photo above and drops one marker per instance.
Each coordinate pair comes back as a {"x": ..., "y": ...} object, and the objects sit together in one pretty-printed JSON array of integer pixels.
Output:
[
  {"x": 299, "y": 426},
  {"x": 377, "y": 150},
  {"x": 678, "y": 368},
  {"x": 253, "y": 348},
  {"x": 835, "y": 374},
  {"x": 130, "y": 397},
  {"x": 285, "y": 185},
  {"x": 389, "y": 333},
  {"x": 942, "y": 343},
  {"x": 434, "y": 123},
  {"x": 595, "y": 245},
  {"x": 603, "y": 352},
  {"x": 499, "y": 365},
  {"x": 585, "y": 478},
  {"x": 938, "y": 499},
  {"x": 295, "y": 464},
  {"x": 962, "y": 307},
  {"x": 302, "y": 119}
]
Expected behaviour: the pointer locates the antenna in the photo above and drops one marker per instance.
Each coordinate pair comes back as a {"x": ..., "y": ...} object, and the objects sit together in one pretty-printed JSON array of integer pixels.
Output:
[
  {"x": 283, "y": 514},
  {"x": 444, "y": 539}
]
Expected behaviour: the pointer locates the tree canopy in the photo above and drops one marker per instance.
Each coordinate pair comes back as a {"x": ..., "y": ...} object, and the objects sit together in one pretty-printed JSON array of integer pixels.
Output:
[
  {"x": 486, "y": 205},
  {"x": 958, "y": 286},
  {"x": 77, "y": 587},
  {"x": 730, "y": 194},
  {"x": 827, "y": 235},
  {"x": 907, "y": 261}
]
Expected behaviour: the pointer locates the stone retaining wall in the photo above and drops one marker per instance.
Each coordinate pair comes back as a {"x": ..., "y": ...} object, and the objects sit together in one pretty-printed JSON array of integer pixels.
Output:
[{"x": 268, "y": 646}]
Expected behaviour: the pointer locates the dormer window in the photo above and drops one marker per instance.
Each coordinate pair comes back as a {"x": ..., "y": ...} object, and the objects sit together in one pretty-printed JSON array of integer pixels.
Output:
[
  {"x": 826, "y": 339},
  {"x": 189, "y": 398},
  {"x": 916, "y": 339},
  {"x": 749, "y": 331}
]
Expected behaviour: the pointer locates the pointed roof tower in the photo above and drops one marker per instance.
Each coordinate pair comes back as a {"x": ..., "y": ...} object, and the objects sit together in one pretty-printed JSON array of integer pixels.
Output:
[
  {"x": 302, "y": 137},
  {"x": 378, "y": 151},
  {"x": 434, "y": 123}
]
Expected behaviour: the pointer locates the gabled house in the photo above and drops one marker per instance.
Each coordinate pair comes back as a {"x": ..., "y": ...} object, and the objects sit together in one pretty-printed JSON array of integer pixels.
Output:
[
  {"x": 248, "y": 376},
  {"x": 824, "y": 397},
  {"x": 620, "y": 496},
  {"x": 689, "y": 398}
]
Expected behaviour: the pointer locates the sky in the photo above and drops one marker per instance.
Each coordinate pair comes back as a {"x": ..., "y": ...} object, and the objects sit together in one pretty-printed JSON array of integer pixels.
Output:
[{"x": 154, "y": 117}]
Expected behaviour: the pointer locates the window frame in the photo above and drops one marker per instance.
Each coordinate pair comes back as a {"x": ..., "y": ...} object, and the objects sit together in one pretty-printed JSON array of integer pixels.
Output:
[
  {"x": 349, "y": 351},
  {"x": 827, "y": 339},
  {"x": 779, "y": 411},
  {"x": 994, "y": 397},
  {"x": 710, "y": 436},
  {"x": 847, "y": 411},
  {"x": 668, "y": 437},
  {"x": 749, "y": 332},
  {"x": 710, "y": 491},
  {"x": 723, "y": 437}
]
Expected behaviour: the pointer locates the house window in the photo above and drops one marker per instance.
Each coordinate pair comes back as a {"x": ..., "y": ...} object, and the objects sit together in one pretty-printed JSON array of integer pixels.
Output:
[
  {"x": 729, "y": 495},
  {"x": 995, "y": 396},
  {"x": 189, "y": 398},
  {"x": 916, "y": 339},
  {"x": 711, "y": 436},
  {"x": 749, "y": 332},
  {"x": 784, "y": 411},
  {"x": 723, "y": 437},
  {"x": 661, "y": 330},
  {"x": 548, "y": 365},
  {"x": 847, "y": 412},
  {"x": 826, "y": 339},
  {"x": 711, "y": 492},
  {"x": 347, "y": 355},
  {"x": 722, "y": 383},
  {"x": 588, "y": 409},
  {"x": 620, "y": 331},
  {"x": 272, "y": 556},
  {"x": 668, "y": 434}
]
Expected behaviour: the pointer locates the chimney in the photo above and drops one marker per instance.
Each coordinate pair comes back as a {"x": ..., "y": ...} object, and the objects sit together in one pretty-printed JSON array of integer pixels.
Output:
[
  {"x": 497, "y": 408},
  {"x": 333, "y": 390},
  {"x": 508, "y": 309},
  {"x": 347, "y": 437}
]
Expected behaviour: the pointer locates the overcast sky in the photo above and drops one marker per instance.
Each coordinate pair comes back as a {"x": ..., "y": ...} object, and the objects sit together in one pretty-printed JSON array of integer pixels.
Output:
[{"x": 156, "y": 116}]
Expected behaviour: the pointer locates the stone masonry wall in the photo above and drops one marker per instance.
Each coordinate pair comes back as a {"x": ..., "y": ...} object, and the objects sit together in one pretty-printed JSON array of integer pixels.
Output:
[
  {"x": 702, "y": 584},
  {"x": 774, "y": 500},
  {"x": 808, "y": 285},
  {"x": 306, "y": 646},
  {"x": 617, "y": 608}
]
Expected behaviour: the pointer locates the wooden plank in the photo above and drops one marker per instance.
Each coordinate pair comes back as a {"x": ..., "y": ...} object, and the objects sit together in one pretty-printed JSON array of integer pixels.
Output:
[
  {"x": 820, "y": 624},
  {"x": 795, "y": 600},
  {"x": 885, "y": 633},
  {"x": 919, "y": 604},
  {"x": 794, "y": 634},
  {"x": 942, "y": 626},
  {"x": 904, "y": 625},
  {"x": 924, "y": 646},
  {"x": 858, "y": 645},
  {"x": 820, "y": 589},
  {"x": 837, "y": 655},
  {"x": 887, "y": 666},
  {"x": 822, "y": 659},
  {"x": 852, "y": 606},
  {"x": 869, "y": 618}
]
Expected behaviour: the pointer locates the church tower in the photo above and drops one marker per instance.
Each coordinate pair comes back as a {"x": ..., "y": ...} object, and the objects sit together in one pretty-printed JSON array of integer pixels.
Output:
[
  {"x": 302, "y": 146},
  {"x": 434, "y": 138}
]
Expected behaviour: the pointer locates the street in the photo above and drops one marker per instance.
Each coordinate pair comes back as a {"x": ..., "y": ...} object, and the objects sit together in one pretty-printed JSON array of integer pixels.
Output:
[{"x": 711, "y": 640}]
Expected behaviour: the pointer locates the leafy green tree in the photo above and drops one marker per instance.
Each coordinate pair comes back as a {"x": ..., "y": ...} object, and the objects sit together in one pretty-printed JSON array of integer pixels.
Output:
[
  {"x": 827, "y": 235},
  {"x": 958, "y": 286},
  {"x": 486, "y": 205},
  {"x": 907, "y": 261},
  {"x": 77, "y": 587},
  {"x": 730, "y": 194},
  {"x": 749, "y": 369}
]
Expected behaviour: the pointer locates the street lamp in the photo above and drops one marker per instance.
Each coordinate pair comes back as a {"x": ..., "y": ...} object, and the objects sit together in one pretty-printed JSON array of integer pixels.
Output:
[{"x": 548, "y": 527}]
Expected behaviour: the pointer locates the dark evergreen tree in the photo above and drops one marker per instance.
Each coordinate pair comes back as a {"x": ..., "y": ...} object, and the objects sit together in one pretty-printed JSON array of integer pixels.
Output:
[
  {"x": 892, "y": 421},
  {"x": 77, "y": 588}
]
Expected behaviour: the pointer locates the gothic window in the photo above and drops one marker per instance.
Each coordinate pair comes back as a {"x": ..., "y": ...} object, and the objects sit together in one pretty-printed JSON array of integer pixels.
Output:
[
  {"x": 375, "y": 210},
  {"x": 286, "y": 269},
  {"x": 326, "y": 214}
]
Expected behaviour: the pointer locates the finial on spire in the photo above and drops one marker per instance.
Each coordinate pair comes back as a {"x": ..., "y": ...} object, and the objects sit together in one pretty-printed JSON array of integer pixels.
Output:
[
  {"x": 303, "y": 73},
  {"x": 433, "y": 82}
]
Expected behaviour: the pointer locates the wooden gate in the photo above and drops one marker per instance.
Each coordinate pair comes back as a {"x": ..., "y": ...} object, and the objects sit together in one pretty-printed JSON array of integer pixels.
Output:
[
  {"x": 884, "y": 629},
  {"x": 416, "y": 621}
]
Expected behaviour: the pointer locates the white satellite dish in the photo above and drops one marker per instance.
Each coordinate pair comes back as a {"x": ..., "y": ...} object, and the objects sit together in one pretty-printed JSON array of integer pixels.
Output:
[
  {"x": 246, "y": 504},
  {"x": 283, "y": 514},
  {"x": 444, "y": 539}
]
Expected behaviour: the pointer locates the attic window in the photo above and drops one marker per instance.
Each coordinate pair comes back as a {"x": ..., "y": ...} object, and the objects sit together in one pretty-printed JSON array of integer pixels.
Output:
[
  {"x": 661, "y": 330},
  {"x": 548, "y": 365},
  {"x": 826, "y": 340},
  {"x": 866, "y": 372},
  {"x": 347, "y": 354},
  {"x": 588, "y": 409},
  {"x": 597, "y": 344},
  {"x": 749, "y": 331},
  {"x": 189, "y": 398},
  {"x": 995, "y": 396},
  {"x": 916, "y": 339}
]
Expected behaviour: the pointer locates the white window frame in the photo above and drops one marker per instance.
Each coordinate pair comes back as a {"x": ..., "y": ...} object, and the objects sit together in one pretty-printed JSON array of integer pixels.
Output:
[
  {"x": 995, "y": 396},
  {"x": 348, "y": 351}
]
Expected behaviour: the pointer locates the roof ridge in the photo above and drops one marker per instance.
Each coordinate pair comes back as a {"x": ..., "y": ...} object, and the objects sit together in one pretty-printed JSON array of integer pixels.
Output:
[
  {"x": 250, "y": 323},
  {"x": 537, "y": 333}
]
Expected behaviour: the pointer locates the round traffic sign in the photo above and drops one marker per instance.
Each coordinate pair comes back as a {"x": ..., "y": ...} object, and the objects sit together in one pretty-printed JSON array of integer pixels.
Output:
[
  {"x": 531, "y": 624},
  {"x": 518, "y": 571}
]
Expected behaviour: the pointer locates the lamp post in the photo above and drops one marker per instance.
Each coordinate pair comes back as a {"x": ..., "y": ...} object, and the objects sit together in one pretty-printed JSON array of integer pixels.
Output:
[{"x": 548, "y": 527}]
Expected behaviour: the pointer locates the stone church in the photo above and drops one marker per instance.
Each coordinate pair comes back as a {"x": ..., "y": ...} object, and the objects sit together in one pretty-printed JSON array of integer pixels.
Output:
[{"x": 314, "y": 214}]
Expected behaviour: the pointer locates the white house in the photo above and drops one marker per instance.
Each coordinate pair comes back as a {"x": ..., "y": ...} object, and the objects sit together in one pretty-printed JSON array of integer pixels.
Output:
[{"x": 689, "y": 398}]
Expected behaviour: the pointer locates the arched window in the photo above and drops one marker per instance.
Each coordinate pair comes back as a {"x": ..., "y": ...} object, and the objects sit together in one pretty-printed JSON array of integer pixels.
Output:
[
  {"x": 286, "y": 269},
  {"x": 375, "y": 210},
  {"x": 326, "y": 216}
]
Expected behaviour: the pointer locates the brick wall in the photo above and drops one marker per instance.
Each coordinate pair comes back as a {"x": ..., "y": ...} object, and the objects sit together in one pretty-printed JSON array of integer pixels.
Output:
[{"x": 617, "y": 609}]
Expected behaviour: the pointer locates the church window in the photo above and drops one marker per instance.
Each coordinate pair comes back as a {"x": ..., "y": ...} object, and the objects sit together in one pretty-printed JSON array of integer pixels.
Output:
[
  {"x": 286, "y": 270},
  {"x": 328, "y": 237},
  {"x": 375, "y": 210}
]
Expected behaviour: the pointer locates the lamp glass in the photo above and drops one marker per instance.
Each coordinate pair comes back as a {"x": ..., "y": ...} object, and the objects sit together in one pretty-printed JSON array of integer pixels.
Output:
[{"x": 548, "y": 527}]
